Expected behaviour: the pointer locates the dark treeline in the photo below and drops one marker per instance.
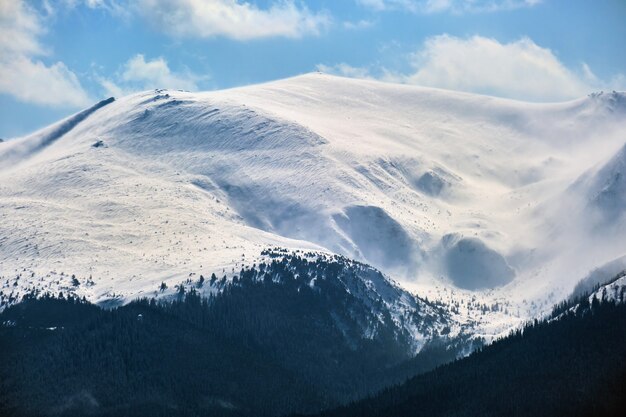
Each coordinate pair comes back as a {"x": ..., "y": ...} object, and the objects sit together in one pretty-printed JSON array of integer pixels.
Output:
[
  {"x": 573, "y": 366},
  {"x": 269, "y": 344}
]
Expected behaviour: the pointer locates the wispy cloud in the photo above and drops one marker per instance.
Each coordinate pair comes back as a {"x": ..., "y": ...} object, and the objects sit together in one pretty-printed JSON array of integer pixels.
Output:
[
  {"x": 346, "y": 70},
  {"x": 520, "y": 69},
  {"x": 358, "y": 25},
  {"x": 140, "y": 74},
  {"x": 23, "y": 74},
  {"x": 120, "y": 8},
  {"x": 235, "y": 19},
  {"x": 454, "y": 6}
]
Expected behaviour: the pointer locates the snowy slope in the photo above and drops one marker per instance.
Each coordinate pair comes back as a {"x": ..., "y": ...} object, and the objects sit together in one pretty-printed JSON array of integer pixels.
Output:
[
  {"x": 442, "y": 191},
  {"x": 599, "y": 276},
  {"x": 611, "y": 291}
]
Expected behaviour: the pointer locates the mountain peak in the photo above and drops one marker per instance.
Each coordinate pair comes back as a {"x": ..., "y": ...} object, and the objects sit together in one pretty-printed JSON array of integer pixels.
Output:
[{"x": 175, "y": 183}]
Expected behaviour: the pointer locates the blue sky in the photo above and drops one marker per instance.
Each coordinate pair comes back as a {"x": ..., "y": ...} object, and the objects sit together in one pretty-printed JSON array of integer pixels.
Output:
[{"x": 59, "y": 56}]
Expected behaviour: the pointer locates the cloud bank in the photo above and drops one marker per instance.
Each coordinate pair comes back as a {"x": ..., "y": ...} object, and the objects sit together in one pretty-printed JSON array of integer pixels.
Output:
[
  {"x": 23, "y": 74},
  {"x": 239, "y": 20},
  {"x": 520, "y": 69}
]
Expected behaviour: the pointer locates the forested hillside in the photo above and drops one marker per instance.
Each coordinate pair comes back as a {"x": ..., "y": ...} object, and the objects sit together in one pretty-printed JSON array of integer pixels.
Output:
[
  {"x": 571, "y": 366},
  {"x": 271, "y": 342}
]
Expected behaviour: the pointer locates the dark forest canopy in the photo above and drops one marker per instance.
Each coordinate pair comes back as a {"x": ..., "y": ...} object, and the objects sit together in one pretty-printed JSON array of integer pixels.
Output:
[
  {"x": 268, "y": 344},
  {"x": 573, "y": 366}
]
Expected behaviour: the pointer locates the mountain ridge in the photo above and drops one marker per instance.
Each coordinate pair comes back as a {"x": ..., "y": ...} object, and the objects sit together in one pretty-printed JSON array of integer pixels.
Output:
[{"x": 176, "y": 183}]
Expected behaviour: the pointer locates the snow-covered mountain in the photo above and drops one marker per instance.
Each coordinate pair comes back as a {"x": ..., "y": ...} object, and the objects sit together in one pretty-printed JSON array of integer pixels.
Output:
[{"x": 463, "y": 198}]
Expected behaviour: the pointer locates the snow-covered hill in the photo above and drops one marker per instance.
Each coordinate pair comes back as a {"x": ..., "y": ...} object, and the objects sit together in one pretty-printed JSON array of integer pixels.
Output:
[{"x": 444, "y": 191}]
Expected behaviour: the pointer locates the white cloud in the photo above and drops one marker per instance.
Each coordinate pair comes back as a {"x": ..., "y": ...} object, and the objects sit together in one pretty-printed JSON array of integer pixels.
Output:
[
  {"x": 138, "y": 74},
  {"x": 34, "y": 82},
  {"x": 20, "y": 29},
  {"x": 345, "y": 70},
  {"x": 22, "y": 74},
  {"x": 521, "y": 70},
  {"x": 357, "y": 25},
  {"x": 240, "y": 20},
  {"x": 119, "y": 8},
  {"x": 380, "y": 5},
  {"x": 156, "y": 73},
  {"x": 454, "y": 6},
  {"x": 110, "y": 87}
]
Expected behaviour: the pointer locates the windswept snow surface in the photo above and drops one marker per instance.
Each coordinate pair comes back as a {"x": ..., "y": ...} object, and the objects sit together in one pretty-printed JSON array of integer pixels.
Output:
[{"x": 494, "y": 200}]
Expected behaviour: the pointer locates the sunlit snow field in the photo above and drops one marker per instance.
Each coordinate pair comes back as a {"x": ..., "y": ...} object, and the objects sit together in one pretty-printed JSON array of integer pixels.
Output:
[{"x": 457, "y": 197}]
